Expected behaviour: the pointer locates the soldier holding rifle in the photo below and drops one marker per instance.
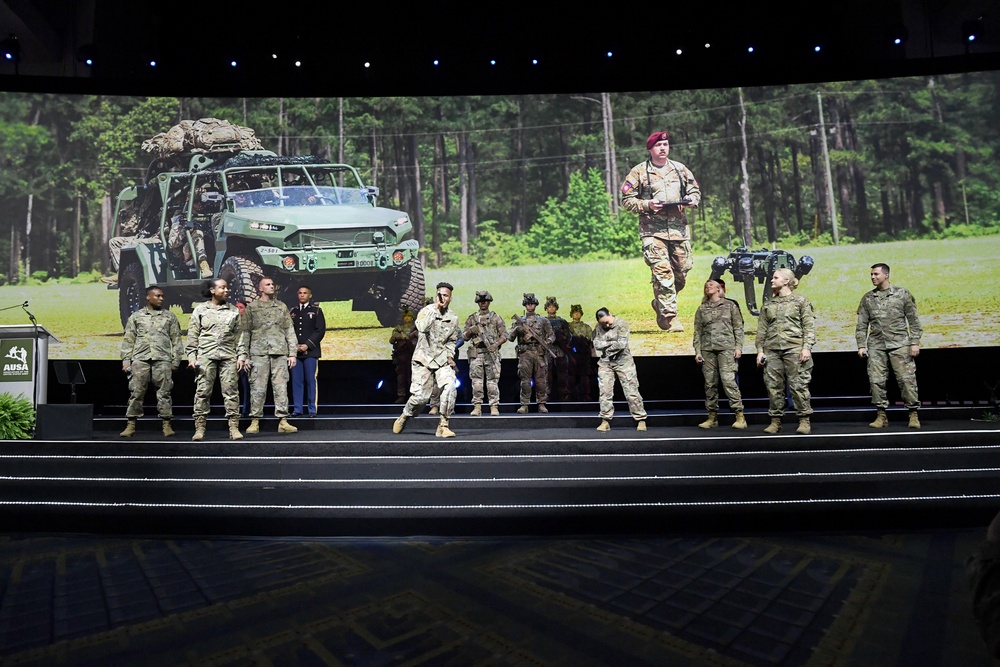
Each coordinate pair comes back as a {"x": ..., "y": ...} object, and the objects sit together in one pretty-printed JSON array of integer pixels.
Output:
[
  {"x": 486, "y": 332},
  {"x": 533, "y": 335}
]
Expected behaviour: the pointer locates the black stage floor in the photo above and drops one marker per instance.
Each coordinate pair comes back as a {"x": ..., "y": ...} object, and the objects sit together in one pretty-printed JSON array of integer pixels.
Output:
[{"x": 348, "y": 474}]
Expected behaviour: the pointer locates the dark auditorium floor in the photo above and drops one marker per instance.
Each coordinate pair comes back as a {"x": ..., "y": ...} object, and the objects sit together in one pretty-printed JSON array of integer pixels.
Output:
[{"x": 795, "y": 598}]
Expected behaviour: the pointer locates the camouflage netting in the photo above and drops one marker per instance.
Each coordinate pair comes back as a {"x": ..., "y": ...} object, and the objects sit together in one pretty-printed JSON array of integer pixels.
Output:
[
  {"x": 244, "y": 160},
  {"x": 201, "y": 136}
]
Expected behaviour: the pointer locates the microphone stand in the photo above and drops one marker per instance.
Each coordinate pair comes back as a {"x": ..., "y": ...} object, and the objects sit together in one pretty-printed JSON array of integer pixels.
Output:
[{"x": 34, "y": 353}]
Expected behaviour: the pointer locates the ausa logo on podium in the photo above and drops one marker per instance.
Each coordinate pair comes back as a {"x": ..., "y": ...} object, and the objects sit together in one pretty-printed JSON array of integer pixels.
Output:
[{"x": 16, "y": 357}]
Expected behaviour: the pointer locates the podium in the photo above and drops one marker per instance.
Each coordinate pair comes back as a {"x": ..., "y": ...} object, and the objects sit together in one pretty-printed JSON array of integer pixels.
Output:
[{"x": 24, "y": 361}]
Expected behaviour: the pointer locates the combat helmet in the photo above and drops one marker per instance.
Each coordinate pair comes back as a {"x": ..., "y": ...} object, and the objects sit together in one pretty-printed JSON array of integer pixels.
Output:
[
  {"x": 529, "y": 297},
  {"x": 483, "y": 295},
  {"x": 551, "y": 301},
  {"x": 576, "y": 308}
]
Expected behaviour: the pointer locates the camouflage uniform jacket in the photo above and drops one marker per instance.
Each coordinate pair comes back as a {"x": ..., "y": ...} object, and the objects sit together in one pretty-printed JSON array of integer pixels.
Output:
[
  {"x": 267, "y": 331},
  {"x": 612, "y": 343},
  {"x": 560, "y": 328},
  {"x": 492, "y": 330},
  {"x": 213, "y": 332},
  {"x": 532, "y": 329},
  {"x": 153, "y": 335},
  {"x": 887, "y": 320},
  {"x": 581, "y": 331},
  {"x": 671, "y": 182},
  {"x": 403, "y": 341},
  {"x": 438, "y": 334},
  {"x": 718, "y": 325},
  {"x": 785, "y": 323}
]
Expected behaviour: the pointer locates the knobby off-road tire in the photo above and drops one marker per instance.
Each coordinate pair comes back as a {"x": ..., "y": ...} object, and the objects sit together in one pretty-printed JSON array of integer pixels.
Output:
[
  {"x": 404, "y": 289},
  {"x": 131, "y": 290},
  {"x": 242, "y": 275}
]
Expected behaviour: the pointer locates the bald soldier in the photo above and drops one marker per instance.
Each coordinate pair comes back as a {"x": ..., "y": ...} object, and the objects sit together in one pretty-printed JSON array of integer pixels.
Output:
[{"x": 658, "y": 191}]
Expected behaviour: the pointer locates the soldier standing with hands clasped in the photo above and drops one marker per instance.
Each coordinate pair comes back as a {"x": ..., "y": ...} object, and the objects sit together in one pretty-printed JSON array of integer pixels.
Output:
[
  {"x": 611, "y": 342},
  {"x": 151, "y": 350},
  {"x": 485, "y": 332},
  {"x": 786, "y": 333},
  {"x": 533, "y": 335},
  {"x": 718, "y": 345},
  {"x": 433, "y": 361},
  {"x": 888, "y": 333},
  {"x": 269, "y": 346},
  {"x": 658, "y": 191},
  {"x": 310, "y": 328}
]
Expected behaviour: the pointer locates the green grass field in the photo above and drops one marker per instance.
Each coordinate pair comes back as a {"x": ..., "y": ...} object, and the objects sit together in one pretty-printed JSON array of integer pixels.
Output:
[{"x": 955, "y": 283}]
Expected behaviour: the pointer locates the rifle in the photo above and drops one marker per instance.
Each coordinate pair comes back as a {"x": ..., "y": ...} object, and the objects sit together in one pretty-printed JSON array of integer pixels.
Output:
[
  {"x": 531, "y": 334},
  {"x": 482, "y": 336}
]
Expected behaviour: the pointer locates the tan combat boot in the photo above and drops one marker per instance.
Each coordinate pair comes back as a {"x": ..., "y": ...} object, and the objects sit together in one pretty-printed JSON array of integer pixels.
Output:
[
  {"x": 494, "y": 410},
  {"x": 199, "y": 428},
  {"x": 234, "y": 429},
  {"x": 285, "y": 427},
  {"x": 443, "y": 431},
  {"x": 433, "y": 410},
  {"x": 129, "y": 429},
  {"x": 881, "y": 420},
  {"x": 741, "y": 421},
  {"x": 605, "y": 426},
  {"x": 254, "y": 427},
  {"x": 477, "y": 410},
  {"x": 804, "y": 427},
  {"x": 542, "y": 409},
  {"x": 641, "y": 426},
  {"x": 712, "y": 421},
  {"x": 914, "y": 420},
  {"x": 675, "y": 326},
  {"x": 205, "y": 269},
  {"x": 523, "y": 410},
  {"x": 168, "y": 430},
  {"x": 775, "y": 426},
  {"x": 399, "y": 424}
]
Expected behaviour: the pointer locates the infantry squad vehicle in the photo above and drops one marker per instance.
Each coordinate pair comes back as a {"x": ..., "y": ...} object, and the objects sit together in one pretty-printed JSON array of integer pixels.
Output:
[{"x": 297, "y": 220}]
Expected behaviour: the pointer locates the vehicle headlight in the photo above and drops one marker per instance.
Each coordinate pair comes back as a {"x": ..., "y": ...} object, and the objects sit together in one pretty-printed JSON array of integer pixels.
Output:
[{"x": 404, "y": 220}]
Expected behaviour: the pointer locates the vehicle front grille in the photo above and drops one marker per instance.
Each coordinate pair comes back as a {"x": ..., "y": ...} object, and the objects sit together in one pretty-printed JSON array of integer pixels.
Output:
[{"x": 329, "y": 238}]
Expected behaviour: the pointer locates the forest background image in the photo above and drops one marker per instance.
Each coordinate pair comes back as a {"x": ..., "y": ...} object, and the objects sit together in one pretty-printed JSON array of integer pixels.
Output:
[{"x": 532, "y": 181}]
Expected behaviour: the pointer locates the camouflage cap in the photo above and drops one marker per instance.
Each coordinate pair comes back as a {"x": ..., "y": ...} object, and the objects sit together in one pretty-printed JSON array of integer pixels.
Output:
[
  {"x": 406, "y": 312},
  {"x": 551, "y": 301},
  {"x": 576, "y": 308},
  {"x": 529, "y": 297},
  {"x": 483, "y": 295}
]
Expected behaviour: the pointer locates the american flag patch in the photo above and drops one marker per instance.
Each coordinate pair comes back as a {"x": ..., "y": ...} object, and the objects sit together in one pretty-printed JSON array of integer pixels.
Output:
[{"x": 626, "y": 188}]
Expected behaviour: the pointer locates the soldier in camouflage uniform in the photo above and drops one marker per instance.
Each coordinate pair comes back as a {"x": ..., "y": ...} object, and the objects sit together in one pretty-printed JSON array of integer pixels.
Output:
[
  {"x": 611, "y": 342},
  {"x": 582, "y": 346},
  {"x": 151, "y": 350},
  {"x": 533, "y": 335},
  {"x": 658, "y": 191},
  {"x": 270, "y": 346},
  {"x": 213, "y": 334},
  {"x": 434, "y": 361},
  {"x": 561, "y": 354},
  {"x": 486, "y": 332},
  {"x": 786, "y": 334},
  {"x": 889, "y": 332},
  {"x": 718, "y": 345},
  {"x": 403, "y": 340}
]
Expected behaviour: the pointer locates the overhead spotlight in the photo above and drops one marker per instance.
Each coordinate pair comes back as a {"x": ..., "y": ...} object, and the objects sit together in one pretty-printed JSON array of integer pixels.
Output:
[
  {"x": 971, "y": 29},
  {"x": 493, "y": 62},
  {"x": 817, "y": 48},
  {"x": 152, "y": 63},
  {"x": 298, "y": 63},
  {"x": 436, "y": 62},
  {"x": 898, "y": 34},
  {"x": 749, "y": 49},
  {"x": 232, "y": 63},
  {"x": 274, "y": 56},
  {"x": 707, "y": 45},
  {"x": 367, "y": 65},
  {"x": 86, "y": 54},
  {"x": 610, "y": 54},
  {"x": 679, "y": 52},
  {"x": 11, "y": 49},
  {"x": 534, "y": 61}
]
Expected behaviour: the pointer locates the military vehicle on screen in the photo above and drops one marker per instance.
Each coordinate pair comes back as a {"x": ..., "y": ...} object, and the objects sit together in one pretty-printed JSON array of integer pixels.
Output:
[{"x": 251, "y": 213}]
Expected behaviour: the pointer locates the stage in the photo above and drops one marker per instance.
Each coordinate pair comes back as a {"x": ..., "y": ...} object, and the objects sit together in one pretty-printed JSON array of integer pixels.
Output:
[{"x": 346, "y": 473}]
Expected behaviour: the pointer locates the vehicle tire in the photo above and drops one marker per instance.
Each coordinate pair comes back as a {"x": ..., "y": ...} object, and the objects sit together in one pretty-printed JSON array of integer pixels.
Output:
[
  {"x": 242, "y": 274},
  {"x": 131, "y": 290},
  {"x": 405, "y": 289}
]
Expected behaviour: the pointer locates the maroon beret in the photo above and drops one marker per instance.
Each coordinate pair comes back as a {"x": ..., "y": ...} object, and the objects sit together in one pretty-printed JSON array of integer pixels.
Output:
[{"x": 654, "y": 137}]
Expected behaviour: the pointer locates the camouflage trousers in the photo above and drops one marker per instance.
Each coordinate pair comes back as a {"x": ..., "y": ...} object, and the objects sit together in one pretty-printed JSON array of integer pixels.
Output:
[
  {"x": 782, "y": 366},
  {"x": 403, "y": 377},
  {"x": 273, "y": 369},
  {"x": 904, "y": 367},
  {"x": 720, "y": 364},
  {"x": 579, "y": 375},
  {"x": 484, "y": 369},
  {"x": 225, "y": 370},
  {"x": 161, "y": 374},
  {"x": 177, "y": 239},
  {"x": 669, "y": 262},
  {"x": 606, "y": 373},
  {"x": 532, "y": 367},
  {"x": 558, "y": 378},
  {"x": 421, "y": 382}
]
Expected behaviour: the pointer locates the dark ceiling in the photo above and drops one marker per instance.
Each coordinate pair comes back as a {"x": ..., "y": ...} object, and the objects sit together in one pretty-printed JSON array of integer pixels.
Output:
[{"x": 193, "y": 44}]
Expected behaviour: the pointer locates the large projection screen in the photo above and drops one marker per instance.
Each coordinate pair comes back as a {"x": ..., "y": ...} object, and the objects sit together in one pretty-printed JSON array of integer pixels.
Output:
[{"x": 517, "y": 194}]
